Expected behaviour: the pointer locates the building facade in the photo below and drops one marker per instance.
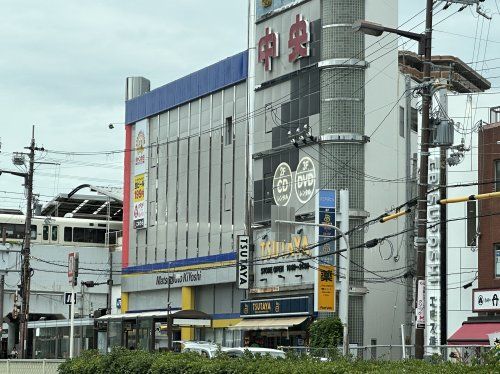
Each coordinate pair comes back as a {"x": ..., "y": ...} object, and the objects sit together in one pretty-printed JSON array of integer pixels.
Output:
[
  {"x": 489, "y": 221},
  {"x": 318, "y": 83},
  {"x": 483, "y": 327},
  {"x": 318, "y": 122},
  {"x": 186, "y": 197}
]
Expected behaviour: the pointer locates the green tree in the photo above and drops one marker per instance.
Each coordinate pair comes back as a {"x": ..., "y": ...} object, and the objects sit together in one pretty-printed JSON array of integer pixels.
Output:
[{"x": 326, "y": 333}]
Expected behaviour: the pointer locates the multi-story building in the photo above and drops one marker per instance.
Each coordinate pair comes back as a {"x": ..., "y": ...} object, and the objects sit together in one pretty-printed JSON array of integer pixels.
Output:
[
  {"x": 185, "y": 203},
  {"x": 329, "y": 90},
  {"x": 484, "y": 326}
]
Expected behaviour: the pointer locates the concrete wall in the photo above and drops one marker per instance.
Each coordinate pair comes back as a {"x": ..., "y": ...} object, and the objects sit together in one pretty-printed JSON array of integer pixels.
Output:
[{"x": 50, "y": 280}]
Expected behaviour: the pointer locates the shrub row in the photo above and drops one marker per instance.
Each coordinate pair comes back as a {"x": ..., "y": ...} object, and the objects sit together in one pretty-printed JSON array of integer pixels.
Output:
[{"x": 122, "y": 361}]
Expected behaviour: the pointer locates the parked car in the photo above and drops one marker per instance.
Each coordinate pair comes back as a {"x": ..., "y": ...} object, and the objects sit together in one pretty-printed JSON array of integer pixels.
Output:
[
  {"x": 240, "y": 352},
  {"x": 206, "y": 349}
]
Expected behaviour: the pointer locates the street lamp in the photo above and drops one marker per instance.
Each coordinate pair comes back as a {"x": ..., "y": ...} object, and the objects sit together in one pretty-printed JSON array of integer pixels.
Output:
[
  {"x": 344, "y": 295},
  {"x": 376, "y": 29}
]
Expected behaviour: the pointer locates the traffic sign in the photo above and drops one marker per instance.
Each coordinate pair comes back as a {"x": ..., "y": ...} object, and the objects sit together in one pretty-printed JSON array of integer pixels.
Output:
[{"x": 67, "y": 298}]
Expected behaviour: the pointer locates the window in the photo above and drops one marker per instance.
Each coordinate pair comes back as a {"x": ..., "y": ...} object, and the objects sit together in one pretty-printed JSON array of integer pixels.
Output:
[
  {"x": 414, "y": 119},
  {"x": 228, "y": 133},
  {"x": 268, "y": 117},
  {"x": 497, "y": 175},
  {"x": 16, "y": 231},
  {"x": 88, "y": 235},
  {"x": 45, "y": 232},
  {"x": 33, "y": 232},
  {"x": 68, "y": 234},
  {"x": 54, "y": 233},
  {"x": 228, "y": 201},
  {"x": 401, "y": 122},
  {"x": 497, "y": 260}
]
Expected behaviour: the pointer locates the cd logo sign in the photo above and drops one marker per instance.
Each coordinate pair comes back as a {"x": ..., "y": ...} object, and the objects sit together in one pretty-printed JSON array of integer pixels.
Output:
[
  {"x": 305, "y": 180},
  {"x": 282, "y": 184}
]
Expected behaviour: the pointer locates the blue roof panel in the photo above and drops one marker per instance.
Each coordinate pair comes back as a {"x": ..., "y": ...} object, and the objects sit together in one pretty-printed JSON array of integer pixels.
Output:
[{"x": 215, "y": 77}]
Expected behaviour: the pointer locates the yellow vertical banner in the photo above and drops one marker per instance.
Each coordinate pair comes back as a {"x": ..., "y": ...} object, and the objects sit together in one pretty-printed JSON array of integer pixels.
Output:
[{"x": 326, "y": 288}]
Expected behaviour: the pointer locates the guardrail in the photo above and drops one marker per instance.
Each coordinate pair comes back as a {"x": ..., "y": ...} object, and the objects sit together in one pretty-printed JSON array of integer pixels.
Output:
[
  {"x": 18, "y": 366},
  {"x": 453, "y": 353}
]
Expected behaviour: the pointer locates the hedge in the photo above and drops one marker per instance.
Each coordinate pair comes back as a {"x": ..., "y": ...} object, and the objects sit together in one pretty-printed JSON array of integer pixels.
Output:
[{"x": 123, "y": 361}]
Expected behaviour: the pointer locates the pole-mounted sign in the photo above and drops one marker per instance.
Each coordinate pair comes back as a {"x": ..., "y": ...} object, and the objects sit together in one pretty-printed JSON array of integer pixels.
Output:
[
  {"x": 243, "y": 252},
  {"x": 73, "y": 268}
]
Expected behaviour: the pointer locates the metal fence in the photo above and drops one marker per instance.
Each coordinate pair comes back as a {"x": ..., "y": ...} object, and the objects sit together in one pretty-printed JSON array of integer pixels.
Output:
[
  {"x": 29, "y": 366},
  {"x": 453, "y": 353}
]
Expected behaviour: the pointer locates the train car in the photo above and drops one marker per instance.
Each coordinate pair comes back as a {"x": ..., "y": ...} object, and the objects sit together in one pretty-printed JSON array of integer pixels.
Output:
[{"x": 60, "y": 230}]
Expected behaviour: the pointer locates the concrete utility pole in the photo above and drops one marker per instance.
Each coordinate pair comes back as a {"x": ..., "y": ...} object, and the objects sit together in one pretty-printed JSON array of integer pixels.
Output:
[{"x": 26, "y": 270}]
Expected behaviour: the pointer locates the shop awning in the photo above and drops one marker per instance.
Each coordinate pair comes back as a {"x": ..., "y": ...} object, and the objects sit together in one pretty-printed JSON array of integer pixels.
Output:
[
  {"x": 180, "y": 317},
  {"x": 474, "y": 333},
  {"x": 282, "y": 323}
]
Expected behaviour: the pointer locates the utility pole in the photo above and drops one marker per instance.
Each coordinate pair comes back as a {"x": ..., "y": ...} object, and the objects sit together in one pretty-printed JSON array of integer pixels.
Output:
[
  {"x": 25, "y": 271},
  {"x": 421, "y": 241},
  {"x": 443, "y": 181},
  {"x": 2, "y": 283}
]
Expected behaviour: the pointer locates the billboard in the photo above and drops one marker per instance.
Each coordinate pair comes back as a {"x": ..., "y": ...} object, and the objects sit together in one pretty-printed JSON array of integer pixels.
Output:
[
  {"x": 487, "y": 300},
  {"x": 326, "y": 288},
  {"x": 433, "y": 258},
  {"x": 141, "y": 141}
]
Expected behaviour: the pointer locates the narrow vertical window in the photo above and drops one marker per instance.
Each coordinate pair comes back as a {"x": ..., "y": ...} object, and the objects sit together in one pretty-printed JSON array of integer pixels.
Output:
[
  {"x": 401, "y": 122},
  {"x": 228, "y": 133},
  {"x": 497, "y": 260},
  {"x": 497, "y": 175}
]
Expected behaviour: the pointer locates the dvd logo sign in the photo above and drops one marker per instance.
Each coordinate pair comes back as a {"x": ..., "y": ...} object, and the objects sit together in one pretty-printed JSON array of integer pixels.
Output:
[{"x": 305, "y": 180}]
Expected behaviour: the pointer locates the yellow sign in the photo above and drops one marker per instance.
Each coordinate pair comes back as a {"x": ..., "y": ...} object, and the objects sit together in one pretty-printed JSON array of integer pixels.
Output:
[
  {"x": 297, "y": 247},
  {"x": 139, "y": 188},
  {"x": 326, "y": 288}
]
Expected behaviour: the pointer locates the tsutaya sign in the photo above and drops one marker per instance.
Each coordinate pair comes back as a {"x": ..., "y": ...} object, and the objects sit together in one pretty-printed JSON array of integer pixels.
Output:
[
  {"x": 243, "y": 251},
  {"x": 433, "y": 258},
  {"x": 298, "y": 43},
  {"x": 297, "y": 247}
]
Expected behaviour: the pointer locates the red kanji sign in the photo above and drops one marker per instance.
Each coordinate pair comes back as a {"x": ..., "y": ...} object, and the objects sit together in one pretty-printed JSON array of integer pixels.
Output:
[
  {"x": 299, "y": 38},
  {"x": 268, "y": 48}
]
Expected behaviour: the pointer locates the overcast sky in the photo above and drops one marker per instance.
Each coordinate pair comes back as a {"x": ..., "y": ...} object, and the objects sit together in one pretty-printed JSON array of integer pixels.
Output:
[{"x": 63, "y": 66}]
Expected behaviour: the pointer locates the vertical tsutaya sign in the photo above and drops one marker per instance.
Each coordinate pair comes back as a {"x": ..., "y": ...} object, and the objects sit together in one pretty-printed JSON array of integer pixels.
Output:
[
  {"x": 433, "y": 258},
  {"x": 243, "y": 253},
  {"x": 140, "y": 174},
  {"x": 282, "y": 184},
  {"x": 324, "y": 285}
]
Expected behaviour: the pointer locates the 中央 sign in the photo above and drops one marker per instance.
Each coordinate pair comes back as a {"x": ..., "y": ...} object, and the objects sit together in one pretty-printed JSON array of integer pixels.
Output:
[{"x": 298, "y": 43}]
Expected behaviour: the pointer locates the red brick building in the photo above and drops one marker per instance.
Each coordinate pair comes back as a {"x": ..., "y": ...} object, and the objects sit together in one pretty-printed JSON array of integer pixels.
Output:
[
  {"x": 489, "y": 209},
  {"x": 483, "y": 329}
]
